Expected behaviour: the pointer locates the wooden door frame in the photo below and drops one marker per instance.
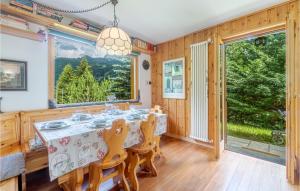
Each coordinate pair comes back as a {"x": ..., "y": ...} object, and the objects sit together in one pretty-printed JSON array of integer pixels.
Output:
[{"x": 292, "y": 161}]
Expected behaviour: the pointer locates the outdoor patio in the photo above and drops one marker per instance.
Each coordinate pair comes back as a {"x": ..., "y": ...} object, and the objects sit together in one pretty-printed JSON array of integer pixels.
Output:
[{"x": 265, "y": 151}]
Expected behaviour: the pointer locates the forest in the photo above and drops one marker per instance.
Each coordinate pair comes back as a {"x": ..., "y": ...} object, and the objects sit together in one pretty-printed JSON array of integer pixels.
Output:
[
  {"x": 256, "y": 82},
  {"x": 87, "y": 79}
]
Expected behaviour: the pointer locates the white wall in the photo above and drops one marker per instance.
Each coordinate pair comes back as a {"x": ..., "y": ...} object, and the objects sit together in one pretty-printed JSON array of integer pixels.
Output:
[
  {"x": 144, "y": 79},
  {"x": 36, "y": 55}
]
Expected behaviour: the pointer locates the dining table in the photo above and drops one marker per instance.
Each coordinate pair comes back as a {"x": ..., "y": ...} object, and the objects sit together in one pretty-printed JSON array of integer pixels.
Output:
[{"x": 79, "y": 140}]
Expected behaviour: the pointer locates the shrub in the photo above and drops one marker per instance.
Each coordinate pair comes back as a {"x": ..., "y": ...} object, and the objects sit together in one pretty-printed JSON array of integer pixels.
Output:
[{"x": 256, "y": 82}]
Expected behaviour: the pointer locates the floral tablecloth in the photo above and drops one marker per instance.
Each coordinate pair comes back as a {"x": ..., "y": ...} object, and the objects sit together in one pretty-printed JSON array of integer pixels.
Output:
[{"x": 78, "y": 145}]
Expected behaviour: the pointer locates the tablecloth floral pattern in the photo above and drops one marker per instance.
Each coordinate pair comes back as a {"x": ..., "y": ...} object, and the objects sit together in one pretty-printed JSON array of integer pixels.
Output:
[{"x": 79, "y": 145}]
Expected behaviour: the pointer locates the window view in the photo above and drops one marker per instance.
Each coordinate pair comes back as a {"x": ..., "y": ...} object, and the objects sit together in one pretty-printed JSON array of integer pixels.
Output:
[{"x": 82, "y": 74}]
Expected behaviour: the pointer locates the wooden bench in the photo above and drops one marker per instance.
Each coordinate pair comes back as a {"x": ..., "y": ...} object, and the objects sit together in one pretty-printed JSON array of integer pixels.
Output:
[
  {"x": 9, "y": 144},
  {"x": 9, "y": 184}
]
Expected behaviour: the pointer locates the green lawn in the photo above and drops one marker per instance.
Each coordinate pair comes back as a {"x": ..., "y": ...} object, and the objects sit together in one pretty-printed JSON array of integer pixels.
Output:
[{"x": 250, "y": 132}]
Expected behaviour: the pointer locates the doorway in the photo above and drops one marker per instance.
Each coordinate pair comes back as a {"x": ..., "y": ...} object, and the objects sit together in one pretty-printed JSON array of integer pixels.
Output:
[{"x": 254, "y": 100}]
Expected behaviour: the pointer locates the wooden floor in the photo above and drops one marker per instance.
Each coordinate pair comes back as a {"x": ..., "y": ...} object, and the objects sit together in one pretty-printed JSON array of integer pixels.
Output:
[{"x": 186, "y": 167}]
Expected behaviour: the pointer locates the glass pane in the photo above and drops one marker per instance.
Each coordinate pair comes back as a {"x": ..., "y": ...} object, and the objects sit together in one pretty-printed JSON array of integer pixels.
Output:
[{"x": 85, "y": 74}]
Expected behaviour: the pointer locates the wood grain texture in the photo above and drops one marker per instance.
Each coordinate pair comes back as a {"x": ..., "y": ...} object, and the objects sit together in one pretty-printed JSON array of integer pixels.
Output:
[
  {"x": 9, "y": 129},
  {"x": 293, "y": 134},
  {"x": 9, "y": 185},
  {"x": 143, "y": 153},
  {"x": 179, "y": 110},
  {"x": 283, "y": 16},
  {"x": 51, "y": 68},
  {"x": 297, "y": 88},
  {"x": 186, "y": 167}
]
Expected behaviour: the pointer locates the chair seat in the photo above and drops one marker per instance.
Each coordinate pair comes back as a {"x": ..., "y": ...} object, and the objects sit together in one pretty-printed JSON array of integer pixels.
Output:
[
  {"x": 12, "y": 165},
  {"x": 111, "y": 164},
  {"x": 140, "y": 150}
]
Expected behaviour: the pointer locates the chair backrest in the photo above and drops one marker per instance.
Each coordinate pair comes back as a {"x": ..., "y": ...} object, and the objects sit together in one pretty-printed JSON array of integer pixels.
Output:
[
  {"x": 115, "y": 138},
  {"x": 156, "y": 109},
  {"x": 148, "y": 128}
]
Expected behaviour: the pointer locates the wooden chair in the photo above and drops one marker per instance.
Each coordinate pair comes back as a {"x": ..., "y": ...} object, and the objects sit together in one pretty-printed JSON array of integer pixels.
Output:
[
  {"x": 142, "y": 154},
  {"x": 158, "y": 153},
  {"x": 156, "y": 109},
  {"x": 115, "y": 157}
]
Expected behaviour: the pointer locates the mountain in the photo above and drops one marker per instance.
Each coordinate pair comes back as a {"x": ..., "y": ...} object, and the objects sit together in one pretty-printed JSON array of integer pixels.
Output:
[{"x": 101, "y": 67}]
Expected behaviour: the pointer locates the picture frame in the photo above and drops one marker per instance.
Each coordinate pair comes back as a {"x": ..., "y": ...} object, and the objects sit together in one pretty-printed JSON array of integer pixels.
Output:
[
  {"x": 13, "y": 75},
  {"x": 174, "y": 78}
]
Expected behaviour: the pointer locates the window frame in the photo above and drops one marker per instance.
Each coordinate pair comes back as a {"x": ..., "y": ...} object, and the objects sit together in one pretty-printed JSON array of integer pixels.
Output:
[{"x": 51, "y": 80}]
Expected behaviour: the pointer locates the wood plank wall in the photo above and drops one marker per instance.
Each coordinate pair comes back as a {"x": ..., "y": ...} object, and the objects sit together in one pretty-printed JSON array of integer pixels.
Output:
[
  {"x": 179, "y": 110},
  {"x": 293, "y": 94},
  {"x": 297, "y": 100}
]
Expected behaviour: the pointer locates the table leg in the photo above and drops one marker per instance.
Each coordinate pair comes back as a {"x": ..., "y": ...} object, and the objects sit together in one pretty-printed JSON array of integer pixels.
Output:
[{"x": 75, "y": 183}]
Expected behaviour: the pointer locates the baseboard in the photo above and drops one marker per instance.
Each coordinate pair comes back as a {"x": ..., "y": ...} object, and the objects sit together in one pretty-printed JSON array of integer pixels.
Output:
[{"x": 203, "y": 145}]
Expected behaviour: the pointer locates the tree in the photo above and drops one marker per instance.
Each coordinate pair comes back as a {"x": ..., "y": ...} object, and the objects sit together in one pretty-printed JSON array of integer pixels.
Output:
[
  {"x": 83, "y": 66},
  {"x": 81, "y": 86},
  {"x": 256, "y": 82},
  {"x": 121, "y": 81},
  {"x": 63, "y": 84}
]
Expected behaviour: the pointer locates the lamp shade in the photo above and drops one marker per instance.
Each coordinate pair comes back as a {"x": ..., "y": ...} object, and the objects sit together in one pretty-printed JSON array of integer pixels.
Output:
[{"x": 115, "y": 41}]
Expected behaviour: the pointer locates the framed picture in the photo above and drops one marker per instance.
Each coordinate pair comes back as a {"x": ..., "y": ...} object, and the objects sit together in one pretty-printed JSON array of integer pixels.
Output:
[
  {"x": 174, "y": 79},
  {"x": 13, "y": 75}
]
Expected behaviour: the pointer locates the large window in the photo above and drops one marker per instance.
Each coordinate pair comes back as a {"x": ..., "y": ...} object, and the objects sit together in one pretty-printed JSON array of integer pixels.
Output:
[{"x": 83, "y": 74}]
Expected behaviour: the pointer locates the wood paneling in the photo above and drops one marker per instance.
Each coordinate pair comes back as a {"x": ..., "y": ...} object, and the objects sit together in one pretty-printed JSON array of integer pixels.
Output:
[
  {"x": 51, "y": 68},
  {"x": 178, "y": 110},
  {"x": 9, "y": 129},
  {"x": 293, "y": 107},
  {"x": 273, "y": 18},
  {"x": 297, "y": 88}
]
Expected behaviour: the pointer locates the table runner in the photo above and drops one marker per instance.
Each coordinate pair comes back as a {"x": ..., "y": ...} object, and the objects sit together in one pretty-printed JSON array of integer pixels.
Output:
[{"x": 78, "y": 145}]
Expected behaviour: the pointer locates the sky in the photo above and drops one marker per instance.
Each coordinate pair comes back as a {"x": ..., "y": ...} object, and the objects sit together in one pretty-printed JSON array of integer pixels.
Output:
[{"x": 74, "y": 49}]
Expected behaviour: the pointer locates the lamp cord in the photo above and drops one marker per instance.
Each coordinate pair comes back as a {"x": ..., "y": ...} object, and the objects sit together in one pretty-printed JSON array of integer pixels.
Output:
[
  {"x": 113, "y": 2},
  {"x": 115, "y": 22}
]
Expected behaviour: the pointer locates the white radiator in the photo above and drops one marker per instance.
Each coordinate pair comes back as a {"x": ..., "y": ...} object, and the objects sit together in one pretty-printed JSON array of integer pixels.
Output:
[{"x": 199, "y": 92}]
